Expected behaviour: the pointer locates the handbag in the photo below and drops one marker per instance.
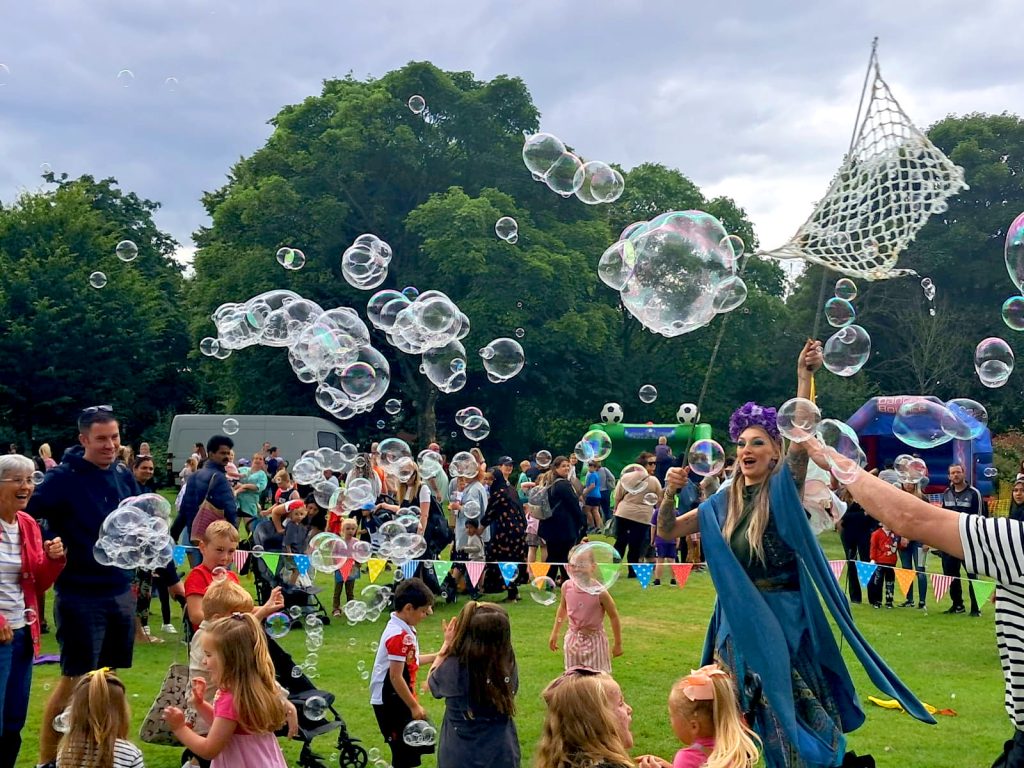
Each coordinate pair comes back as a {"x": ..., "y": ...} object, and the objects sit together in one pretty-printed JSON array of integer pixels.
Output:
[
  {"x": 173, "y": 693},
  {"x": 207, "y": 513}
]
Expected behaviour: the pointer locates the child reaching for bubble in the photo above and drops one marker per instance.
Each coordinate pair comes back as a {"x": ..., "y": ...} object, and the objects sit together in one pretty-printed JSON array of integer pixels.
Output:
[
  {"x": 97, "y": 725},
  {"x": 705, "y": 715},
  {"x": 248, "y": 707},
  {"x": 586, "y": 644}
]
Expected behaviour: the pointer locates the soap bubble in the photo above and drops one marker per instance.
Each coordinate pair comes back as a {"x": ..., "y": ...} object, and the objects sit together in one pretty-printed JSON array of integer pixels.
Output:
[
  {"x": 295, "y": 611},
  {"x": 230, "y": 426},
  {"x": 171, "y": 84},
  {"x": 846, "y": 289},
  {"x": 219, "y": 573},
  {"x": 506, "y": 227},
  {"x": 419, "y": 733},
  {"x": 126, "y": 250},
  {"x": 62, "y": 722},
  {"x": 1013, "y": 313},
  {"x": 291, "y": 258},
  {"x": 648, "y": 393},
  {"x": 919, "y": 424},
  {"x": 847, "y": 350},
  {"x": 411, "y": 292},
  {"x": 477, "y": 430},
  {"x": 519, "y": 333},
  {"x": 706, "y": 457},
  {"x": 634, "y": 479},
  {"x": 543, "y": 590},
  {"x": 846, "y": 456},
  {"x": 38, "y": 477},
  {"x": 30, "y": 616},
  {"x": 735, "y": 244},
  {"x": 135, "y": 535},
  {"x": 966, "y": 419},
  {"x": 909, "y": 469},
  {"x": 993, "y": 362},
  {"x": 125, "y": 78},
  {"x": 562, "y": 176},
  {"x": 393, "y": 406},
  {"x": 464, "y": 414},
  {"x": 364, "y": 264},
  {"x": 839, "y": 312},
  {"x": 798, "y": 419},
  {"x": 928, "y": 287},
  {"x": 543, "y": 459},
  {"x": 277, "y": 625},
  {"x": 596, "y": 446},
  {"x": 315, "y": 708},
  {"x": 503, "y": 358},
  {"x": 1013, "y": 251},
  {"x": 594, "y": 566},
  {"x": 209, "y": 346},
  {"x": 650, "y": 499},
  {"x": 464, "y": 464},
  {"x": 471, "y": 509},
  {"x": 669, "y": 271},
  {"x": 355, "y": 610},
  {"x": 890, "y": 476},
  {"x": 732, "y": 292},
  {"x": 97, "y": 279},
  {"x": 373, "y": 754},
  {"x": 540, "y": 151},
  {"x": 417, "y": 104},
  {"x": 990, "y": 472},
  {"x": 598, "y": 182}
]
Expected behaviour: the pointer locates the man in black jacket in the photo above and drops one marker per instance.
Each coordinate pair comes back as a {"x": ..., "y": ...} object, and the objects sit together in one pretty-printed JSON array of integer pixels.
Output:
[{"x": 965, "y": 499}]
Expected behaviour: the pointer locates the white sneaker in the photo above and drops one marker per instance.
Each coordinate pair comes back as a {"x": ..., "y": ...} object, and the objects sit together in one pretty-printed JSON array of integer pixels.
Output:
[
  {"x": 145, "y": 631},
  {"x": 169, "y": 629}
]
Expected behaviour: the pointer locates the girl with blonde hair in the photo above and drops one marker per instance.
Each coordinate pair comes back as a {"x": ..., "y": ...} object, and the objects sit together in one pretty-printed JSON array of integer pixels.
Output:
[{"x": 97, "y": 725}]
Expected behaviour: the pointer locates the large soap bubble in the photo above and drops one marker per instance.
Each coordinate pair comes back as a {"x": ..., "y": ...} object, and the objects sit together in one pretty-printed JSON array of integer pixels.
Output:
[
  {"x": 594, "y": 566},
  {"x": 135, "y": 535},
  {"x": 846, "y": 289},
  {"x": 507, "y": 229},
  {"x": 839, "y": 312},
  {"x": 597, "y": 182},
  {"x": 846, "y": 350},
  {"x": 364, "y": 264},
  {"x": 919, "y": 423},
  {"x": 540, "y": 152},
  {"x": 464, "y": 464},
  {"x": 595, "y": 445},
  {"x": 503, "y": 358},
  {"x": 670, "y": 270},
  {"x": 993, "y": 362},
  {"x": 1013, "y": 250},
  {"x": 797, "y": 419},
  {"x": 706, "y": 457},
  {"x": 1013, "y": 313},
  {"x": 966, "y": 419},
  {"x": 846, "y": 456}
]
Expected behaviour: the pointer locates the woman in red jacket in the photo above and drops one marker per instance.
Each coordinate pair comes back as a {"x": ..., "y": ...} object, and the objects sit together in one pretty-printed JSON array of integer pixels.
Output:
[{"x": 27, "y": 568}]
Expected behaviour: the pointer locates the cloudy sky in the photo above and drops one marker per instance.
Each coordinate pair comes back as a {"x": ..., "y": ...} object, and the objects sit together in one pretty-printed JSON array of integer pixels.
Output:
[{"x": 754, "y": 99}]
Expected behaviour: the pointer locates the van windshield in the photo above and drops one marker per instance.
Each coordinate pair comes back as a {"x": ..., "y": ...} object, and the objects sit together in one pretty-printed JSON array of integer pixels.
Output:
[{"x": 327, "y": 440}]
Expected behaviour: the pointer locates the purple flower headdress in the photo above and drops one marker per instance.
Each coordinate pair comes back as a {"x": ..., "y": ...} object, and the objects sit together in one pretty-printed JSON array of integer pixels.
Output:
[{"x": 753, "y": 415}]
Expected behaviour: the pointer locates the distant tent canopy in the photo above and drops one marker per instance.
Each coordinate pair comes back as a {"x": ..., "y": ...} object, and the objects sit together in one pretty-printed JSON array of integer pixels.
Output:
[{"x": 873, "y": 424}]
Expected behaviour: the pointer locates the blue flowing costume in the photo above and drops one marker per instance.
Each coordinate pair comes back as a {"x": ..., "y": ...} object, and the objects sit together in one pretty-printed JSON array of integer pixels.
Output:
[{"x": 777, "y": 629}]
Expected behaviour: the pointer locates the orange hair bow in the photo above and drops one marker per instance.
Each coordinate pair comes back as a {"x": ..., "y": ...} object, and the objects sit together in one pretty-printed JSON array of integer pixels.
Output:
[{"x": 699, "y": 686}]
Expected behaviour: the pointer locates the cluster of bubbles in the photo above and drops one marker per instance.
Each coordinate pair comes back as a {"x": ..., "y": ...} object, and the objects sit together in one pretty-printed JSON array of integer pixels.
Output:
[
  {"x": 675, "y": 272},
  {"x": 428, "y": 324},
  {"x": 1013, "y": 251},
  {"x": 507, "y": 229},
  {"x": 126, "y": 251},
  {"x": 846, "y": 350},
  {"x": 924, "y": 423},
  {"x": 503, "y": 358},
  {"x": 906, "y": 470},
  {"x": 993, "y": 362},
  {"x": 136, "y": 534},
  {"x": 330, "y": 348},
  {"x": 595, "y": 445},
  {"x": 373, "y": 600},
  {"x": 291, "y": 258},
  {"x": 364, "y": 264},
  {"x": 563, "y": 172},
  {"x": 419, "y": 733},
  {"x": 474, "y": 425}
]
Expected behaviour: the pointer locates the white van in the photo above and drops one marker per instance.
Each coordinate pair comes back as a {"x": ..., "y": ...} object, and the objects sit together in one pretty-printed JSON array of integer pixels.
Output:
[{"x": 291, "y": 435}]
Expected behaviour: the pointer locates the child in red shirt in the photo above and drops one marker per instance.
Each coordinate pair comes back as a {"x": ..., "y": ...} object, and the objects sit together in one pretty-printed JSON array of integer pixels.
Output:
[{"x": 884, "y": 546}]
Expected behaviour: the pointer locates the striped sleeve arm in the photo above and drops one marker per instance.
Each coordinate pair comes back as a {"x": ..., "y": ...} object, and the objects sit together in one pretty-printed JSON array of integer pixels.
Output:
[{"x": 994, "y": 547}]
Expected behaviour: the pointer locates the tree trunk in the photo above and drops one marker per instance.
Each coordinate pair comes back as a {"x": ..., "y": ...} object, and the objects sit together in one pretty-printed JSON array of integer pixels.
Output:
[{"x": 426, "y": 419}]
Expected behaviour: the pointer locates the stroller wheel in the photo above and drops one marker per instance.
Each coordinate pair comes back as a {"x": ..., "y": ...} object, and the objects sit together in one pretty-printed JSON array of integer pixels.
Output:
[{"x": 351, "y": 756}]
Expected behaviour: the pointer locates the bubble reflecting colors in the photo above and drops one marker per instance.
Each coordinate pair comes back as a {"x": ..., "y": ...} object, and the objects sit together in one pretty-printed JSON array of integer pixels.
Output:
[
  {"x": 847, "y": 350},
  {"x": 506, "y": 227},
  {"x": 594, "y": 566},
  {"x": 1013, "y": 251},
  {"x": 503, "y": 358},
  {"x": 846, "y": 456},
  {"x": 634, "y": 479},
  {"x": 993, "y": 362},
  {"x": 97, "y": 279},
  {"x": 731, "y": 293},
  {"x": 277, "y": 625},
  {"x": 597, "y": 182},
  {"x": 706, "y": 457},
  {"x": 919, "y": 424},
  {"x": 909, "y": 469},
  {"x": 417, "y": 104},
  {"x": 543, "y": 590},
  {"x": 126, "y": 250},
  {"x": 966, "y": 419},
  {"x": 648, "y": 393},
  {"x": 596, "y": 445},
  {"x": 798, "y": 419},
  {"x": 1013, "y": 313},
  {"x": 839, "y": 312},
  {"x": 291, "y": 258},
  {"x": 846, "y": 289},
  {"x": 540, "y": 152}
]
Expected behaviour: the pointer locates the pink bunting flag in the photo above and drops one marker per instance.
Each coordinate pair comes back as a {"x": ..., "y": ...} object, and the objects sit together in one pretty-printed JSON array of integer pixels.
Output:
[
  {"x": 239, "y": 559},
  {"x": 474, "y": 569},
  {"x": 682, "y": 572},
  {"x": 940, "y": 585},
  {"x": 837, "y": 568}
]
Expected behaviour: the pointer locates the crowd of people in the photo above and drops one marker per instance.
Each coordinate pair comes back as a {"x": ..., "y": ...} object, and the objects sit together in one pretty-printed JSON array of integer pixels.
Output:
[{"x": 772, "y": 682}]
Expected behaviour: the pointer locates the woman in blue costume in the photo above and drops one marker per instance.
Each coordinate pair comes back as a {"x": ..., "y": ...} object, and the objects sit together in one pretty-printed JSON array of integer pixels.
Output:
[{"x": 772, "y": 579}]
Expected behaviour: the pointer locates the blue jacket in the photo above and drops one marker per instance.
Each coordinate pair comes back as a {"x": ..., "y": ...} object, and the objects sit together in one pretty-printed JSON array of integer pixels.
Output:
[
  {"x": 74, "y": 499},
  {"x": 213, "y": 478},
  {"x": 760, "y": 634}
]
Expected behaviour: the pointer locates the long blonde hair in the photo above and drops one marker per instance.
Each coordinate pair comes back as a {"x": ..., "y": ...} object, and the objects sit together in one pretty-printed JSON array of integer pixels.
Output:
[
  {"x": 247, "y": 672},
  {"x": 99, "y": 717},
  {"x": 759, "y": 511},
  {"x": 580, "y": 727},
  {"x": 736, "y": 745}
]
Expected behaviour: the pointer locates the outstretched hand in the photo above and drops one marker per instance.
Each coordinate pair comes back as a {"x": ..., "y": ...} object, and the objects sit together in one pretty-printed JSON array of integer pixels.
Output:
[
  {"x": 174, "y": 718},
  {"x": 810, "y": 358}
]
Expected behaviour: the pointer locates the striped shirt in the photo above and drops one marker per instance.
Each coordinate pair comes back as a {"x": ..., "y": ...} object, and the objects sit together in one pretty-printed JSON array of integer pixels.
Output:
[
  {"x": 12, "y": 601},
  {"x": 126, "y": 755},
  {"x": 995, "y": 547}
]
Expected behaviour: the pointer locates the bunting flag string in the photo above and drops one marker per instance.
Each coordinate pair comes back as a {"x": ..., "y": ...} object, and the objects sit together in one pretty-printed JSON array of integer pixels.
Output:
[
  {"x": 905, "y": 580},
  {"x": 442, "y": 568},
  {"x": 271, "y": 559},
  {"x": 940, "y": 585},
  {"x": 539, "y": 570},
  {"x": 837, "y": 569},
  {"x": 509, "y": 572},
  {"x": 865, "y": 571},
  {"x": 239, "y": 559},
  {"x": 475, "y": 568},
  {"x": 302, "y": 564},
  {"x": 681, "y": 572},
  {"x": 375, "y": 565},
  {"x": 644, "y": 572},
  {"x": 346, "y": 568},
  {"x": 409, "y": 568},
  {"x": 983, "y": 591}
]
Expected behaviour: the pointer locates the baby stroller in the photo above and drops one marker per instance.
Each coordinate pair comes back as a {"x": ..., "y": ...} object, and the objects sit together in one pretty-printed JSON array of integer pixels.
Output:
[
  {"x": 264, "y": 535},
  {"x": 300, "y": 689}
]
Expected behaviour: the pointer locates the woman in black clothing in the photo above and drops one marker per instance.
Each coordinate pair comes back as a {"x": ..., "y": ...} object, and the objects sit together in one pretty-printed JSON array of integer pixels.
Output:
[
  {"x": 1017, "y": 501},
  {"x": 564, "y": 529},
  {"x": 855, "y": 529},
  {"x": 507, "y": 520}
]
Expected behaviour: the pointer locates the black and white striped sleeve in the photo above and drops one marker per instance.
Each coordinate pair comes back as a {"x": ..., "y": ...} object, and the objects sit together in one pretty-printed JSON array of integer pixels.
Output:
[{"x": 994, "y": 547}]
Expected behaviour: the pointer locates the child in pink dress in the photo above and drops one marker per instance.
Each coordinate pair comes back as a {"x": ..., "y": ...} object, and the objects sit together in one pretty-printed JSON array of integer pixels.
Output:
[
  {"x": 236, "y": 658},
  {"x": 586, "y": 644}
]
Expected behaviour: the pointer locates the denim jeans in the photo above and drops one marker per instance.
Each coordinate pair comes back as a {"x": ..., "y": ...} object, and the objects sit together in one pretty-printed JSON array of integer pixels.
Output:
[
  {"x": 913, "y": 558},
  {"x": 15, "y": 682}
]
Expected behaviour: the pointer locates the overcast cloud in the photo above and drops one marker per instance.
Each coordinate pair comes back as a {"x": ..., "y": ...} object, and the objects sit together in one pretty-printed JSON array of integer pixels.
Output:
[{"x": 750, "y": 98}]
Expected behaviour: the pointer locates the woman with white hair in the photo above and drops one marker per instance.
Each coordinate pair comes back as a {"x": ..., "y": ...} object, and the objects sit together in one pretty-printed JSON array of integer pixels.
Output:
[{"x": 27, "y": 567}]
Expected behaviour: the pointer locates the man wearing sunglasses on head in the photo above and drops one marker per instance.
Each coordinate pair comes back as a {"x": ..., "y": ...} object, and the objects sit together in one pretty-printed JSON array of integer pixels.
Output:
[{"x": 94, "y": 608}]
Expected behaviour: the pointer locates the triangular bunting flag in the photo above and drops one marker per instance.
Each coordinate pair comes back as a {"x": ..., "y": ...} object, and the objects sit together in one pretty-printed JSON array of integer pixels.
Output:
[
  {"x": 509, "y": 572},
  {"x": 681, "y": 572},
  {"x": 837, "y": 568},
  {"x": 271, "y": 559},
  {"x": 608, "y": 571},
  {"x": 905, "y": 579},
  {"x": 539, "y": 569},
  {"x": 302, "y": 564},
  {"x": 940, "y": 585},
  {"x": 239, "y": 558},
  {"x": 375, "y": 565},
  {"x": 409, "y": 568},
  {"x": 179, "y": 555},
  {"x": 441, "y": 569},
  {"x": 644, "y": 572},
  {"x": 865, "y": 571},
  {"x": 474, "y": 569},
  {"x": 347, "y": 564},
  {"x": 983, "y": 591}
]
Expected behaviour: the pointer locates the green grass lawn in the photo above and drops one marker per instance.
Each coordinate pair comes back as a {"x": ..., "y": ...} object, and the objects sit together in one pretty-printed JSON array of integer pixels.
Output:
[{"x": 949, "y": 661}]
